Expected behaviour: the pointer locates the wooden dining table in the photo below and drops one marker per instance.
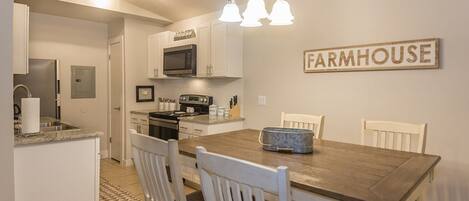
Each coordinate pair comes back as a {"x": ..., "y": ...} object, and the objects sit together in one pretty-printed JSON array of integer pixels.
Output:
[{"x": 334, "y": 171}]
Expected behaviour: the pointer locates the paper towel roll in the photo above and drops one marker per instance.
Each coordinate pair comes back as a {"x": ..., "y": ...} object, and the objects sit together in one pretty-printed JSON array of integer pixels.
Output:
[{"x": 30, "y": 115}]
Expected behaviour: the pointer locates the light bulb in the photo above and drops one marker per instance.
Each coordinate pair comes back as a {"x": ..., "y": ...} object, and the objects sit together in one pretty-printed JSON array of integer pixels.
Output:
[
  {"x": 230, "y": 13},
  {"x": 281, "y": 13}
]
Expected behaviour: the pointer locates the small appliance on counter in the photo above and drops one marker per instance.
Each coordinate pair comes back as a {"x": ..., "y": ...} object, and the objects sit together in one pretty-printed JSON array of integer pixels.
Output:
[
  {"x": 29, "y": 112},
  {"x": 165, "y": 125},
  {"x": 287, "y": 140}
]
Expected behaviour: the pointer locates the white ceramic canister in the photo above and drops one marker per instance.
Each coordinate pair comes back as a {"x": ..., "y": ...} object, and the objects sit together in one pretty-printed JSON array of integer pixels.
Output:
[
  {"x": 227, "y": 113},
  {"x": 161, "y": 107},
  {"x": 212, "y": 111},
  {"x": 221, "y": 111},
  {"x": 172, "y": 106},
  {"x": 166, "y": 106}
]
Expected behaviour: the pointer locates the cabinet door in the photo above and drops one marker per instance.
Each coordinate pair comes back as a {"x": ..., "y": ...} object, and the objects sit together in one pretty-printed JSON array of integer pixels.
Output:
[
  {"x": 153, "y": 57},
  {"x": 183, "y": 136},
  {"x": 218, "y": 49},
  {"x": 145, "y": 130},
  {"x": 135, "y": 126},
  {"x": 20, "y": 39},
  {"x": 203, "y": 51},
  {"x": 163, "y": 39}
]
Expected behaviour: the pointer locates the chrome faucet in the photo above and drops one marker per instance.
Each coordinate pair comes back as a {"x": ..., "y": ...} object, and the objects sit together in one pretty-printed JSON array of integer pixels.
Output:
[{"x": 24, "y": 87}]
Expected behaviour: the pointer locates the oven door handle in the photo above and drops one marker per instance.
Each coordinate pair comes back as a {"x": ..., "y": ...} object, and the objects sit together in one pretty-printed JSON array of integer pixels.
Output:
[
  {"x": 164, "y": 123},
  {"x": 153, "y": 119}
]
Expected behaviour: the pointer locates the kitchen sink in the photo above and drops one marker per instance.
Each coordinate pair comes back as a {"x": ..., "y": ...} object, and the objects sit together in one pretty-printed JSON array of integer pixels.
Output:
[{"x": 58, "y": 127}]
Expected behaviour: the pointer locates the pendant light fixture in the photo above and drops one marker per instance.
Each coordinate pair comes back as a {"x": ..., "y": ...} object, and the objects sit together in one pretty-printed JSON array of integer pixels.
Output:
[
  {"x": 281, "y": 13},
  {"x": 231, "y": 12},
  {"x": 256, "y": 8},
  {"x": 250, "y": 21},
  {"x": 255, "y": 11}
]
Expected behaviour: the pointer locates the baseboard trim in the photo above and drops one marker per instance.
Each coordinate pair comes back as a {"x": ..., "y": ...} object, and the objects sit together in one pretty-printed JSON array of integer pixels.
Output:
[
  {"x": 128, "y": 163},
  {"x": 104, "y": 154}
]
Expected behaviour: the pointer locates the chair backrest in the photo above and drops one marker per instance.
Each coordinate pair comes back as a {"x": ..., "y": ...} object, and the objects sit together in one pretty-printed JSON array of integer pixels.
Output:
[
  {"x": 395, "y": 135},
  {"x": 150, "y": 156},
  {"x": 225, "y": 178},
  {"x": 311, "y": 122}
]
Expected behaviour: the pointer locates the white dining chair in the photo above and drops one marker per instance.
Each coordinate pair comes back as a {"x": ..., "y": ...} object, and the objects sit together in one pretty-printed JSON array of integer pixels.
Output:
[
  {"x": 150, "y": 156},
  {"x": 394, "y": 135},
  {"x": 311, "y": 122},
  {"x": 225, "y": 178}
]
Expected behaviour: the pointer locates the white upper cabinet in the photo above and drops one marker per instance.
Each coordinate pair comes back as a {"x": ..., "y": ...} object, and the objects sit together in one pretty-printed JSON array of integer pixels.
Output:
[
  {"x": 220, "y": 50},
  {"x": 203, "y": 50},
  {"x": 20, "y": 39},
  {"x": 156, "y": 44}
]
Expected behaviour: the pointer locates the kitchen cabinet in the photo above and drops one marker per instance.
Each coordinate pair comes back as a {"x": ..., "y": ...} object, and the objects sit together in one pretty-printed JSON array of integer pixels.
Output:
[
  {"x": 220, "y": 50},
  {"x": 203, "y": 50},
  {"x": 63, "y": 170},
  {"x": 140, "y": 123},
  {"x": 156, "y": 44},
  {"x": 20, "y": 39},
  {"x": 189, "y": 130}
]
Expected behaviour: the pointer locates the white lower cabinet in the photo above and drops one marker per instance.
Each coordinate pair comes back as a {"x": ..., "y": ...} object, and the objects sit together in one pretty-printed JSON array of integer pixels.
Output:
[
  {"x": 58, "y": 171},
  {"x": 189, "y": 130},
  {"x": 140, "y": 123}
]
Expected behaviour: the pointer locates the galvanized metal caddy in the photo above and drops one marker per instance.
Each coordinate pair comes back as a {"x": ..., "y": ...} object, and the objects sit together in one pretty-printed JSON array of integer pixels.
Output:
[{"x": 287, "y": 139}]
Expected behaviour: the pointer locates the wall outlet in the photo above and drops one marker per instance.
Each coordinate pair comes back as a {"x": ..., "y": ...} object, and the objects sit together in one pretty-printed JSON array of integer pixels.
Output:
[{"x": 262, "y": 100}]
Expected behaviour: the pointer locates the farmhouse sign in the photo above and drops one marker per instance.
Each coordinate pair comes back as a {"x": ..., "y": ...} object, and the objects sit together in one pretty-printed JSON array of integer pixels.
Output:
[{"x": 414, "y": 54}]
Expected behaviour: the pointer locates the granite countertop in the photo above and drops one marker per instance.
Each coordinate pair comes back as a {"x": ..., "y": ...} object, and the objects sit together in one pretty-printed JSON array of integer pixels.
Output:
[
  {"x": 54, "y": 136},
  {"x": 206, "y": 119},
  {"x": 144, "y": 112}
]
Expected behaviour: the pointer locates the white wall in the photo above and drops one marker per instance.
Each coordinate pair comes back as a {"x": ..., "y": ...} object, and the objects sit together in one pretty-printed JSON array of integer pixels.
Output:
[
  {"x": 75, "y": 42},
  {"x": 136, "y": 33},
  {"x": 7, "y": 192},
  {"x": 221, "y": 89},
  {"x": 273, "y": 67}
]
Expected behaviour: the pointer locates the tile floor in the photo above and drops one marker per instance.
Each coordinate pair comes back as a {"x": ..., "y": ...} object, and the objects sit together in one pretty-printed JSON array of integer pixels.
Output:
[{"x": 125, "y": 177}]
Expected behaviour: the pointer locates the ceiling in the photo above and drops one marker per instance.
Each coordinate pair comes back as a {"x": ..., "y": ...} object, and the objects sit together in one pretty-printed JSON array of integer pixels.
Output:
[
  {"x": 163, "y": 12},
  {"x": 181, "y": 9}
]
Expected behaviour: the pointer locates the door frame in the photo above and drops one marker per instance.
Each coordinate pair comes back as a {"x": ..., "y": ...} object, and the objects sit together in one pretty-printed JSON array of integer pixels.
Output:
[{"x": 123, "y": 107}]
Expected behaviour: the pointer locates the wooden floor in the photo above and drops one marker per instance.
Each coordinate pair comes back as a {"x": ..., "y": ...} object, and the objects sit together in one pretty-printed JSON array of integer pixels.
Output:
[{"x": 125, "y": 177}]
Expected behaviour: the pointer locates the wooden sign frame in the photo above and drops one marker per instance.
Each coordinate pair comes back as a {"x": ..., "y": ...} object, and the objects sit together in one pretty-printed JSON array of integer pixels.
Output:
[{"x": 387, "y": 61}]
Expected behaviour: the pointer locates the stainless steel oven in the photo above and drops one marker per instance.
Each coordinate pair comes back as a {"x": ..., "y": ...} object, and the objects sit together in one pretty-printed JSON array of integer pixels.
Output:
[
  {"x": 165, "y": 125},
  {"x": 180, "y": 61},
  {"x": 164, "y": 129}
]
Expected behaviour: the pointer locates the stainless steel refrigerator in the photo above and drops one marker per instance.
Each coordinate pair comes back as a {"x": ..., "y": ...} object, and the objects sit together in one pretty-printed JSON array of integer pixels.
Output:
[{"x": 44, "y": 83}]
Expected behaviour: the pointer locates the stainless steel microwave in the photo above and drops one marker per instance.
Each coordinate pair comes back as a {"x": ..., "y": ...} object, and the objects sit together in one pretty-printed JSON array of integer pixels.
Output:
[{"x": 180, "y": 61}]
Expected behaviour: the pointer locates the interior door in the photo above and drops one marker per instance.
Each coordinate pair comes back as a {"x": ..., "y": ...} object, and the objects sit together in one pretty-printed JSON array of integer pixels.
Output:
[{"x": 116, "y": 96}]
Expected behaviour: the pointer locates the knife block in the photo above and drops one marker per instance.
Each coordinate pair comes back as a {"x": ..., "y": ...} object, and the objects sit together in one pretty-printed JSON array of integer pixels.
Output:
[{"x": 235, "y": 111}]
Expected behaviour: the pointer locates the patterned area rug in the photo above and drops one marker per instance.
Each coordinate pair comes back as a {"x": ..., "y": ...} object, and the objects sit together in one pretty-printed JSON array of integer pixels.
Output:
[{"x": 111, "y": 192}]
